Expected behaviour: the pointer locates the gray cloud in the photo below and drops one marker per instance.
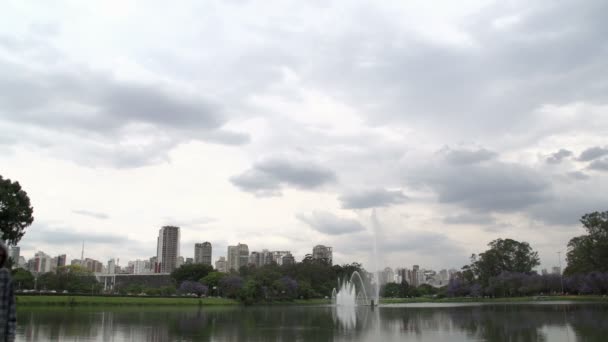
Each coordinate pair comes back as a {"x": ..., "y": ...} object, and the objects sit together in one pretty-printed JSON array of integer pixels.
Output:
[
  {"x": 268, "y": 177},
  {"x": 599, "y": 165},
  {"x": 492, "y": 186},
  {"x": 372, "y": 198},
  {"x": 593, "y": 153},
  {"x": 97, "y": 215},
  {"x": 567, "y": 209},
  {"x": 474, "y": 219},
  {"x": 558, "y": 156},
  {"x": 465, "y": 156},
  {"x": 578, "y": 175},
  {"x": 328, "y": 223},
  {"x": 43, "y": 233},
  {"x": 105, "y": 112}
]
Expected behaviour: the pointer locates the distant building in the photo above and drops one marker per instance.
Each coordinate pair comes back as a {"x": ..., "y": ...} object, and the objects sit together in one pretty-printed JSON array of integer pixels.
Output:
[
  {"x": 202, "y": 253},
  {"x": 544, "y": 271},
  {"x": 189, "y": 261},
  {"x": 415, "y": 276},
  {"x": 43, "y": 263},
  {"x": 180, "y": 262},
  {"x": 277, "y": 256},
  {"x": 220, "y": 265},
  {"x": 387, "y": 276},
  {"x": 288, "y": 259},
  {"x": 14, "y": 254},
  {"x": 255, "y": 259},
  {"x": 556, "y": 270},
  {"x": 321, "y": 252},
  {"x": 22, "y": 262},
  {"x": 61, "y": 260},
  {"x": 167, "y": 250},
  {"x": 141, "y": 266},
  {"x": 111, "y": 269},
  {"x": 92, "y": 265},
  {"x": 237, "y": 256}
]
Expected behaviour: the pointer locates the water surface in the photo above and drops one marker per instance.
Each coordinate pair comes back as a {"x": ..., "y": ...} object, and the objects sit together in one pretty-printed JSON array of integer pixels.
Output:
[{"x": 413, "y": 322}]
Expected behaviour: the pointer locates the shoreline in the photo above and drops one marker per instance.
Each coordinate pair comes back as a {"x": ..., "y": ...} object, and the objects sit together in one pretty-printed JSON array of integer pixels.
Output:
[{"x": 75, "y": 300}]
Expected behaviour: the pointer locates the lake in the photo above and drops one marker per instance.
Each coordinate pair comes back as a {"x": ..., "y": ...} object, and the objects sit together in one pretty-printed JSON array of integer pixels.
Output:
[{"x": 551, "y": 321}]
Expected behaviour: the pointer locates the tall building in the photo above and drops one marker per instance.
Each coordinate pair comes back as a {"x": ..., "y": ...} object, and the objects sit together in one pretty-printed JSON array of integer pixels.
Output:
[
  {"x": 320, "y": 252},
  {"x": 92, "y": 265},
  {"x": 414, "y": 277},
  {"x": 42, "y": 263},
  {"x": 220, "y": 265},
  {"x": 14, "y": 254},
  {"x": 140, "y": 266},
  {"x": 288, "y": 259},
  {"x": 202, "y": 253},
  {"x": 277, "y": 256},
  {"x": 254, "y": 259},
  {"x": 167, "y": 250},
  {"x": 111, "y": 266},
  {"x": 61, "y": 260},
  {"x": 237, "y": 256}
]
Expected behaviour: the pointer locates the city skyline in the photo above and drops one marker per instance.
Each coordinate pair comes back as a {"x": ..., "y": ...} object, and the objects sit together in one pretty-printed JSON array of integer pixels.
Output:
[{"x": 459, "y": 123}]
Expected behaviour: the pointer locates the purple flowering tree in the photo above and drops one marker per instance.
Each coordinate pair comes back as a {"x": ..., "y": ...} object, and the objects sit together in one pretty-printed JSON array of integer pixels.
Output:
[
  {"x": 189, "y": 286},
  {"x": 231, "y": 285}
]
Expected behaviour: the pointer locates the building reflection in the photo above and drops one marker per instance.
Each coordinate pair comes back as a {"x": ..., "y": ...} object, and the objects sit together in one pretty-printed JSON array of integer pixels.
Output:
[{"x": 322, "y": 323}]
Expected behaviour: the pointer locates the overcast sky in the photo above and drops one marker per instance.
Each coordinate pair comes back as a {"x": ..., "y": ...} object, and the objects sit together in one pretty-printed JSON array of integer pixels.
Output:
[{"x": 281, "y": 124}]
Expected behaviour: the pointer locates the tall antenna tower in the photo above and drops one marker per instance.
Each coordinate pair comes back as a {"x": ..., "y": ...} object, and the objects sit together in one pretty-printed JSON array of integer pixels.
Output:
[{"x": 82, "y": 254}]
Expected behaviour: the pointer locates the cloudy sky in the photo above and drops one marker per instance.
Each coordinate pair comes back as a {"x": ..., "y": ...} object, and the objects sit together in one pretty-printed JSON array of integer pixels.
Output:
[{"x": 282, "y": 124}]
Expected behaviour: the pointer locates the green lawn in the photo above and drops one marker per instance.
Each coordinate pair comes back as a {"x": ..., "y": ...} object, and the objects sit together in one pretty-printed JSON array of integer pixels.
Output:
[{"x": 100, "y": 300}]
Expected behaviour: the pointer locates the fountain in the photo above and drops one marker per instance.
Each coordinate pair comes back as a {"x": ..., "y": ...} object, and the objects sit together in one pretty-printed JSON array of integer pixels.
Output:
[{"x": 349, "y": 294}]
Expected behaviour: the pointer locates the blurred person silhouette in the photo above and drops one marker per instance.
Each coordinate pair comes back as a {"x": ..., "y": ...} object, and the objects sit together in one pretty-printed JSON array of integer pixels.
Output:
[{"x": 8, "y": 317}]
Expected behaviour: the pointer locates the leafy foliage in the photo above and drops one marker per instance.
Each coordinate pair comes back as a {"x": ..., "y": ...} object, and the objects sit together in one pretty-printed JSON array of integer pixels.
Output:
[
  {"x": 589, "y": 253},
  {"x": 15, "y": 211},
  {"x": 74, "y": 279},
  {"x": 193, "y": 287},
  {"x": 192, "y": 272},
  {"x": 504, "y": 255},
  {"x": 23, "y": 279}
]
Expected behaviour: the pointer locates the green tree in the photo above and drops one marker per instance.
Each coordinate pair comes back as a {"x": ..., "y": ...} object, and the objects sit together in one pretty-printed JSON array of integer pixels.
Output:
[
  {"x": 23, "y": 279},
  {"x": 192, "y": 272},
  {"x": 588, "y": 253},
  {"x": 15, "y": 211},
  {"x": 391, "y": 290},
  {"x": 212, "y": 280},
  {"x": 504, "y": 255}
]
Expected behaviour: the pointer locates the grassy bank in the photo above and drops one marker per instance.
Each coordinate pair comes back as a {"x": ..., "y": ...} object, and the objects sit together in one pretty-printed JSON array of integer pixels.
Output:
[
  {"x": 101, "y": 300},
  {"x": 601, "y": 299}
]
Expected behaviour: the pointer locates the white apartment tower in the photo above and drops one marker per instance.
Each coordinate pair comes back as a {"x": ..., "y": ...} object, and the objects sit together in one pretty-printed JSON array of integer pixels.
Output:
[{"x": 167, "y": 250}]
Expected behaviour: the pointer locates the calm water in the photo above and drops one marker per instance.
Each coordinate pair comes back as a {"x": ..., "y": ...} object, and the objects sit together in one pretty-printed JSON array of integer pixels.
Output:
[{"x": 515, "y": 322}]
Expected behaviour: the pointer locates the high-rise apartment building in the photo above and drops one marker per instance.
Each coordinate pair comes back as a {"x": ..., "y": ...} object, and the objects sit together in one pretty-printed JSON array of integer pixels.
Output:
[
  {"x": 320, "y": 252},
  {"x": 61, "y": 260},
  {"x": 220, "y": 265},
  {"x": 237, "y": 256},
  {"x": 14, "y": 254},
  {"x": 111, "y": 266},
  {"x": 167, "y": 250},
  {"x": 92, "y": 265},
  {"x": 42, "y": 263},
  {"x": 254, "y": 259},
  {"x": 202, "y": 253},
  {"x": 414, "y": 277},
  {"x": 288, "y": 259}
]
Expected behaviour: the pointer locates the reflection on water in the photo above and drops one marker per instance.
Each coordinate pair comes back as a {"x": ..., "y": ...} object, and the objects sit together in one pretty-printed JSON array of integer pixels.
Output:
[{"x": 549, "y": 322}]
